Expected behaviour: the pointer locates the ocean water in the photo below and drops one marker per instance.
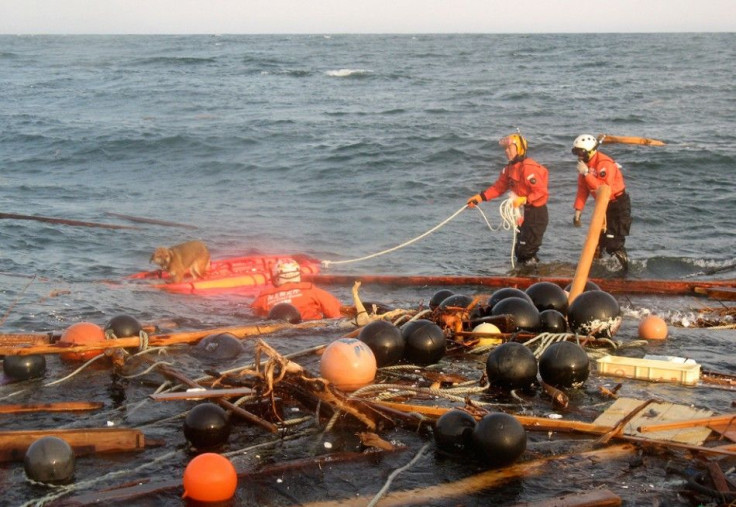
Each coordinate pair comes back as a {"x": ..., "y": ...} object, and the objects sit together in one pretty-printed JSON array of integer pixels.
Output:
[{"x": 342, "y": 146}]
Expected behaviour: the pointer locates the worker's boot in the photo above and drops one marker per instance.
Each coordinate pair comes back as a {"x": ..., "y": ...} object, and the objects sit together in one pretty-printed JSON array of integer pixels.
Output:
[{"x": 623, "y": 258}]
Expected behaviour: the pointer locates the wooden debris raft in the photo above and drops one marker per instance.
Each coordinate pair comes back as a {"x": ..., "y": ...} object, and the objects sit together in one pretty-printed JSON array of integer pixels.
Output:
[{"x": 279, "y": 376}]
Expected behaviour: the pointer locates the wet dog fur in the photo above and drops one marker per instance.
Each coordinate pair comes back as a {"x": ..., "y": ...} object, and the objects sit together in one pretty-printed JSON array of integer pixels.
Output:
[{"x": 191, "y": 257}]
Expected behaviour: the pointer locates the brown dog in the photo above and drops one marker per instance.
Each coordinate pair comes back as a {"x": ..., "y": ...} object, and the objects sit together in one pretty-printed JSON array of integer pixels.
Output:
[{"x": 191, "y": 257}]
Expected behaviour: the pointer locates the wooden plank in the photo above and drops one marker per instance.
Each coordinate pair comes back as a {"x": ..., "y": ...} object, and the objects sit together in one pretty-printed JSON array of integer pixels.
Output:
[
  {"x": 721, "y": 420},
  {"x": 655, "y": 413},
  {"x": 596, "y": 498},
  {"x": 13, "y": 444},
  {"x": 63, "y": 406}
]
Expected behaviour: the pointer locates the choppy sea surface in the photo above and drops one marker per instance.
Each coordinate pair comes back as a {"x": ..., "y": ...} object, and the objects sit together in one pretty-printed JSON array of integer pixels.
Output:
[{"x": 338, "y": 147}]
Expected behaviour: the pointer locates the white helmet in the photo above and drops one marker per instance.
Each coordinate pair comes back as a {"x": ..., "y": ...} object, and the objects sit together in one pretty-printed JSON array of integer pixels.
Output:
[
  {"x": 584, "y": 145},
  {"x": 285, "y": 271}
]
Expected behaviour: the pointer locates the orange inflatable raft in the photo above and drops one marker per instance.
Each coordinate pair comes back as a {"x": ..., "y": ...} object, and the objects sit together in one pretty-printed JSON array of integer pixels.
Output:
[{"x": 234, "y": 274}]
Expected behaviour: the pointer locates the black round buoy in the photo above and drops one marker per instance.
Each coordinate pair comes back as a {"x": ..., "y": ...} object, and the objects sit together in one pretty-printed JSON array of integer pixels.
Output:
[
  {"x": 49, "y": 460},
  {"x": 413, "y": 325},
  {"x": 385, "y": 340},
  {"x": 588, "y": 286},
  {"x": 438, "y": 297},
  {"x": 523, "y": 311},
  {"x": 206, "y": 425},
  {"x": 507, "y": 292},
  {"x": 24, "y": 367},
  {"x": 552, "y": 321},
  {"x": 123, "y": 326},
  {"x": 453, "y": 431},
  {"x": 595, "y": 313},
  {"x": 564, "y": 364},
  {"x": 286, "y": 312},
  {"x": 218, "y": 347},
  {"x": 548, "y": 296},
  {"x": 456, "y": 301},
  {"x": 511, "y": 365},
  {"x": 499, "y": 439},
  {"x": 425, "y": 345}
]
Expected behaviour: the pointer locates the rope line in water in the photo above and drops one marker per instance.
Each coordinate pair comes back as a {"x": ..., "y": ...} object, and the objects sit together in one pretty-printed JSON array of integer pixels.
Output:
[
  {"x": 396, "y": 472},
  {"x": 509, "y": 218},
  {"x": 326, "y": 263}
]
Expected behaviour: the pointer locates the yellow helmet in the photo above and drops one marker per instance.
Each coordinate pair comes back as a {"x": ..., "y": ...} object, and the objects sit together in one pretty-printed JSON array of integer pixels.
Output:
[{"x": 518, "y": 141}]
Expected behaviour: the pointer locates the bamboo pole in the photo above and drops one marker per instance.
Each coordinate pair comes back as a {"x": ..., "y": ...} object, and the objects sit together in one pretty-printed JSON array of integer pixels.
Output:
[{"x": 603, "y": 194}]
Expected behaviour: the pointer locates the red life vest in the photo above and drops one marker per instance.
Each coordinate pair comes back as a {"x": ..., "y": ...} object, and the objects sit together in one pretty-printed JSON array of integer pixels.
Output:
[
  {"x": 602, "y": 169},
  {"x": 312, "y": 302},
  {"x": 525, "y": 178}
]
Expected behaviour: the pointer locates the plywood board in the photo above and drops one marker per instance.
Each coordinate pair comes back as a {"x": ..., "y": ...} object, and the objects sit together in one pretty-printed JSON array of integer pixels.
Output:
[{"x": 657, "y": 412}]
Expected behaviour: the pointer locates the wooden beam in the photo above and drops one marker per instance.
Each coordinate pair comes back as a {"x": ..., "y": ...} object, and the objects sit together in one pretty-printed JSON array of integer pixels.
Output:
[
  {"x": 13, "y": 444},
  {"x": 63, "y": 406}
]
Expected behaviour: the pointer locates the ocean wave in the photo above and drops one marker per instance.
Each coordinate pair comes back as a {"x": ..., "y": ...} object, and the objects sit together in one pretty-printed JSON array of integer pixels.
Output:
[
  {"x": 349, "y": 73},
  {"x": 172, "y": 60}
]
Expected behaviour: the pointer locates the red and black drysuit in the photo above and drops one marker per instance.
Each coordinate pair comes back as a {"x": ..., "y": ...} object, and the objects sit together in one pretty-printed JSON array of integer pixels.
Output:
[
  {"x": 602, "y": 169},
  {"x": 525, "y": 177}
]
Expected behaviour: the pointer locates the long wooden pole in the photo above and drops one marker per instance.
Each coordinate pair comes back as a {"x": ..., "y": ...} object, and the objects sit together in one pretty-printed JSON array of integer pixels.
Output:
[
  {"x": 613, "y": 285},
  {"x": 602, "y": 197},
  {"x": 13, "y": 444},
  {"x": 161, "y": 340},
  {"x": 610, "y": 139},
  {"x": 64, "y": 221}
]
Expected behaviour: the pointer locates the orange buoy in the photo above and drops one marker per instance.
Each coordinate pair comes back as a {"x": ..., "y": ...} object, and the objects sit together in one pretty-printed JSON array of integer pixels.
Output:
[
  {"x": 348, "y": 363},
  {"x": 653, "y": 328},
  {"x": 210, "y": 477},
  {"x": 82, "y": 333}
]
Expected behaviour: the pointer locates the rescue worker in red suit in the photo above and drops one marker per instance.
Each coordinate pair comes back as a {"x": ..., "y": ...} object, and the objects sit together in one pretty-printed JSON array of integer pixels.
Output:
[
  {"x": 526, "y": 179},
  {"x": 312, "y": 302},
  {"x": 595, "y": 169}
]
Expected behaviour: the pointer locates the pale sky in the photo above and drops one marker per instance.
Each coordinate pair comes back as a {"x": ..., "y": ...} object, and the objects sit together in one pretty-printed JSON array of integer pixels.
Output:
[{"x": 364, "y": 16}]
